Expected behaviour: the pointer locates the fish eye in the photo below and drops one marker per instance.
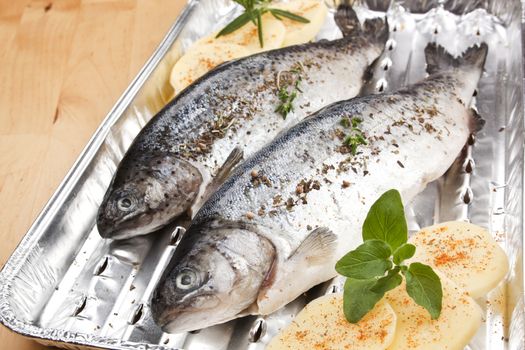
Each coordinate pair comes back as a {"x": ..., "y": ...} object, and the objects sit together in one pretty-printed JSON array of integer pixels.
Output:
[
  {"x": 187, "y": 279},
  {"x": 125, "y": 204}
]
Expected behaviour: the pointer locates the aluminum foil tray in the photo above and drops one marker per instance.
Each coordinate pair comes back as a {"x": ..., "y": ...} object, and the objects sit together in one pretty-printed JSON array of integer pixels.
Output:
[{"x": 65, "y": 286}]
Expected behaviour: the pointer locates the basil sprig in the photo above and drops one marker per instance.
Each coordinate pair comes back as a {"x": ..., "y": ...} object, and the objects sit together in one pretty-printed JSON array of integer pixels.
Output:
[
  {"x": 253, "y": 11},
  {"x": 377, "y": 266}
]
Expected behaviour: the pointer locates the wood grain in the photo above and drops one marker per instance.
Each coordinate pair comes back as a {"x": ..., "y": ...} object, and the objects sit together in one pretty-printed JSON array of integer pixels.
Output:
[{"x": 63, "y": 64}]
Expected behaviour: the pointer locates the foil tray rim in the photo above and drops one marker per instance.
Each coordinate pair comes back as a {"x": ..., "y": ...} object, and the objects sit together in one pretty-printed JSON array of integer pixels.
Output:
[{"x": 23, "y": 249}]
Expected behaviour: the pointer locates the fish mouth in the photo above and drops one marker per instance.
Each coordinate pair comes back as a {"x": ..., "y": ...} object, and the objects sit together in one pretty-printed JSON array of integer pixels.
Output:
[
  {"x": 118, "y": 235},
  {"x": 183, "y": 319},
  {"x": 113, "y": 231},
  {"x": 170, "y": 322},
  {"x": 127, "y": 227},
  {"x": 104, "y": 230}
]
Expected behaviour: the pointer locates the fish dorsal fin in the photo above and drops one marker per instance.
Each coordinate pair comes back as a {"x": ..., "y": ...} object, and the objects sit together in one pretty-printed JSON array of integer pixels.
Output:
[
  {"x": 476, "y": 121},
  {"x": 317, "y": 246},
  {"x": 310, "y": 264}
]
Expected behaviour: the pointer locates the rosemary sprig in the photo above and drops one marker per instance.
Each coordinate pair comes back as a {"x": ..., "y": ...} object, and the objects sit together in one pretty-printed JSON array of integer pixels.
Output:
[
  {"x": 253, "y": 11},
  {"x": 356, "y": 136},
  {"x": 288, "y": 85}
]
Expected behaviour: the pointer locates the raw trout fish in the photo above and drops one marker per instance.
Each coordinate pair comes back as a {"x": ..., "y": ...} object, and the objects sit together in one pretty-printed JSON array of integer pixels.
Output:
[
  {"x": 277, "y": 226},
  {"x": 230, "y": 112}
]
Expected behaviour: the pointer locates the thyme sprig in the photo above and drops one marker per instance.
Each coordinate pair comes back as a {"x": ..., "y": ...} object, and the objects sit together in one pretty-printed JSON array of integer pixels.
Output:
[
  {"x": 253, "y": 11},
  {"x": 288, "y": 85},
  {"x": 356, "y": 137}
]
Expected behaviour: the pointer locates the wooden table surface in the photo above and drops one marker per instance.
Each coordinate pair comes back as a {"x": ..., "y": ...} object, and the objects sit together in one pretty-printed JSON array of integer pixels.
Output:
[{"x": 63, "y": 64}]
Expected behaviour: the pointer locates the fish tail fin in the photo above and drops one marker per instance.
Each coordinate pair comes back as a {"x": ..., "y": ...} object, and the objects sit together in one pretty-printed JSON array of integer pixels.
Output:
[
  {"x": 346, "y": 19},
  {"x": 375, "y": 29},
  {"x": 438, "y": 59}
]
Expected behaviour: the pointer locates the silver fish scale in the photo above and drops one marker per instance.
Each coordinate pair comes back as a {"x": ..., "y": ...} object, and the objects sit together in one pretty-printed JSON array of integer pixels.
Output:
[
  {"x": 65, "y": 284},
  {"x": 239, "y": 90},
  {"x": 297, "y": 158}
]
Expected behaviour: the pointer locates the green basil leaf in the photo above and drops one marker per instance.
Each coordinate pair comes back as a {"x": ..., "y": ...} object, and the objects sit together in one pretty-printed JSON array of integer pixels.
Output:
[
  {"x": 358, "y": 299},
  {"x": 369, "y": 260},
  {"x": 289, "y": 15},
  {"x": 424, "y": 286},
  {"x": 389, "y": 282},
  {"x": 406, "y": 251},
  {"x": 386, "y": 220},
  {"x": 237, "y": 23}
]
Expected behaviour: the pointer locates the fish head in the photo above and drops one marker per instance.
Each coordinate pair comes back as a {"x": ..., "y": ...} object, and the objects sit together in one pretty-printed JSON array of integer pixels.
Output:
[
  {"x": 213, "y": 277},
  {"x": 147, "y": 195}
]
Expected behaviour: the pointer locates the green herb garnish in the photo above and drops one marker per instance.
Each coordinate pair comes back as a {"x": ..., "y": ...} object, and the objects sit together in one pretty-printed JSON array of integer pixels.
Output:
[
  {"x": 356, "y": 136},
  {"x": 376, "y": 266},
  {"x": 253, "y": 11},
  {"x": 288, "y": 85}
]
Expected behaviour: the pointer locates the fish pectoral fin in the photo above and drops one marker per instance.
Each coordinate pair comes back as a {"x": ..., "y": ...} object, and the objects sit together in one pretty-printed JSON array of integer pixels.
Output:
[
  {"x": 317, "y": 247},
  {"x": 310, "y": 264},
  {"x": 225, "y": 170},
  {"x": 236, "y": 155}
]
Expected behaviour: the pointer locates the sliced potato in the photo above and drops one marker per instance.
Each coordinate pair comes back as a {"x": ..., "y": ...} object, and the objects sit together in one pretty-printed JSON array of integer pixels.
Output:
[
  {"x": 459, "y": 320},
  {"x": 208, "y": 52},
  {"x": 297, "y": 32},
  {"x": 200, "y": 59},
  {"x": 465, "y": 253},
  {"x": 322, "y": 325},
  {"x": 247, "y": 36}
]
